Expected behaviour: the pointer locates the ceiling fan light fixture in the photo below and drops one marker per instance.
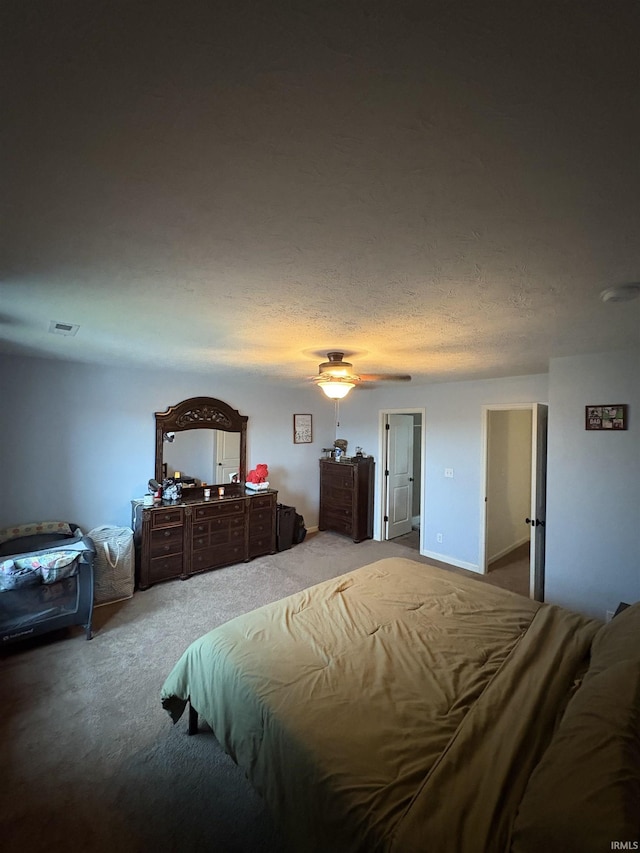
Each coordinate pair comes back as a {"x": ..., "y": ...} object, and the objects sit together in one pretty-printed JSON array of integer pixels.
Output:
[{"x": 335, "y": 388}]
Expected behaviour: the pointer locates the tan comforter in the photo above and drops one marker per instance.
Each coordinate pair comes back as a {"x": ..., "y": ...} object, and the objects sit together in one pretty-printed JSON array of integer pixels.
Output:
[{"x": 396, "y": 708}]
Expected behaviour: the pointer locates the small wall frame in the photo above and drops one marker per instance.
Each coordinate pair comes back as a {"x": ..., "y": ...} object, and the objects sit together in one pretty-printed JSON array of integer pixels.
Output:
[
  {"x": 302, "y": 429},
  {"x": 612, "y": 416}
]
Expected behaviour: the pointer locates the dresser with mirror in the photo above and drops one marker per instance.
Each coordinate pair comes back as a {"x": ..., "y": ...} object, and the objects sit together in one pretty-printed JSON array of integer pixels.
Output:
[{"x": 216, "y": 522}]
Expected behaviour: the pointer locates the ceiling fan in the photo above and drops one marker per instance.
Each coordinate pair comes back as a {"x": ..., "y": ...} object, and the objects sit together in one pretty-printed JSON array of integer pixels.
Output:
[{"x": 336, "y": 377}]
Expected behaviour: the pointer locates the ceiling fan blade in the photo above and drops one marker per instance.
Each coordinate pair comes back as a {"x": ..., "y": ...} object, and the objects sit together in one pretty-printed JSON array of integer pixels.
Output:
[{"x": 384, "y": 377}]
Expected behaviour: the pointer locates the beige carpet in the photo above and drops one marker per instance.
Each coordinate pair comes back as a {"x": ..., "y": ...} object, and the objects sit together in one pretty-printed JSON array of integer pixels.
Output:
[
  {"x": 89, "y": 759},
  {"x": 509, "y": 572}
]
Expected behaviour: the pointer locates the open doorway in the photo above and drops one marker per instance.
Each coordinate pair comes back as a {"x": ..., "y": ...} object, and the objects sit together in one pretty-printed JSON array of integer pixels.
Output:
[
  {"x": 400, "y": 476},
  {"x": 514, "y": 491}
]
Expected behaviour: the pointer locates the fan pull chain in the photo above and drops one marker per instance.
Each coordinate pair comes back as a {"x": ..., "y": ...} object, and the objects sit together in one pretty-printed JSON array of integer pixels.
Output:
[{"x": 337, "y": 403}]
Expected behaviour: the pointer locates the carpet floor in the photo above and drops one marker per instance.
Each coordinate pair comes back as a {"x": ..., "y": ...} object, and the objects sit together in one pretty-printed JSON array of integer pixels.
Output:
[{"x": 90, "y": 759}]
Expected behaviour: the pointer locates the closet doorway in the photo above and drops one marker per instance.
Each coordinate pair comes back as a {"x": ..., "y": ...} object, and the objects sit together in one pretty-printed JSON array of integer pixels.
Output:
[
  {"x": 514, "y": 492},
  {"x": 400, "y": 478}
]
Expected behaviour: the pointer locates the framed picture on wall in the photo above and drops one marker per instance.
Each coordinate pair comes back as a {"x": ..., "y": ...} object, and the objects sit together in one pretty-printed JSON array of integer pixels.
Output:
[
  {"x": 302, "y": 429},
  {"x": 610, "y": 417}
]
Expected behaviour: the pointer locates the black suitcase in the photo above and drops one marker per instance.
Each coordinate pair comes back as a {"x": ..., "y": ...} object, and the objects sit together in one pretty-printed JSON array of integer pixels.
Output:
[
  {"x": 299, "y": 530},
  {"x": 285, "y": 525}
]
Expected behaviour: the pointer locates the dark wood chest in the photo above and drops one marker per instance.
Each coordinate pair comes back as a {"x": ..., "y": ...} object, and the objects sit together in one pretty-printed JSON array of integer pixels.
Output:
[
  {"x": 346, "y": 497},
  {"x": 184, "y": 539}
]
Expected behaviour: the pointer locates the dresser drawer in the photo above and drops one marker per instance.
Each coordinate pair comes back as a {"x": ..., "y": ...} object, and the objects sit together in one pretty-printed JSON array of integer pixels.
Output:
[
  {"x": 261, "y": 516},
  {"x": 165, "y": 517},
  {"x": 163, "y": 568},
  {"x": 335, "y": 512},
  {"x": 339, "y": 499},
  {"x": 202, "y": 560},
  {"x": 201, "y": 541},
  {"x": 226, "y": 528},
  {"x": 230, "y": 554},
  {"x": 260, "y": 545},
  {"x": 227, "y": 535},
  {"x": 166, "y": 540},
  {"x": 340, "y": 523},
  {"x": 262, "y": 502},
  {"x": 218, "y": 510},
  {"x": 226, "y": 523},
  {"x": 211, "y": 558},
  {"x": 260, "y": 527},
  {"x": 339, "y": 475}
]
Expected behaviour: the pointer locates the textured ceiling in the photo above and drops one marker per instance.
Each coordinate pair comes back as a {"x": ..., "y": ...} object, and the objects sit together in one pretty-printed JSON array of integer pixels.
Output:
[{"x": 436, "y": 188}]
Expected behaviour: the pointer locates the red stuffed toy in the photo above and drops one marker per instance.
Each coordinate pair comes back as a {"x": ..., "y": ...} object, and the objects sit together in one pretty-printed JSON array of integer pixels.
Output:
[{"x": 258, "y": 474}]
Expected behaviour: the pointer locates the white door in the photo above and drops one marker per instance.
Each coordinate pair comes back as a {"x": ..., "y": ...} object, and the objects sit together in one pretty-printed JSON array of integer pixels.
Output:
[
  {"x": 400, "y": 475},
  {"x": 538, "y": 516},
  {"x": 227, "y": 455}
]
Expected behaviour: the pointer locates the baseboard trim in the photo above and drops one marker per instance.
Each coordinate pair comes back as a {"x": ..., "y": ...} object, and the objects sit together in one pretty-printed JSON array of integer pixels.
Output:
[
  {"x": 452, "y": 561},
  {"x": 507, "y": 550}
]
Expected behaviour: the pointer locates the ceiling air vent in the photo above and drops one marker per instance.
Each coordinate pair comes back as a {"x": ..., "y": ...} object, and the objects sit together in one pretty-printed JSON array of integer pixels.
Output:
[{"x": 62, "y": 328}]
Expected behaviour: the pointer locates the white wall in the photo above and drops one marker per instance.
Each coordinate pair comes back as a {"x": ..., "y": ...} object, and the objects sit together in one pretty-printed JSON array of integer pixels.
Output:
[
  {"x": 453, "y": 425},
  {"x": 593, "y": 485},
  {"x": 77, "y": 442}
]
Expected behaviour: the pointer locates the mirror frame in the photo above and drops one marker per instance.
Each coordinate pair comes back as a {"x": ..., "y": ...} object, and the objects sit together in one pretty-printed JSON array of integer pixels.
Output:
[{"x": 201, "y": 413}]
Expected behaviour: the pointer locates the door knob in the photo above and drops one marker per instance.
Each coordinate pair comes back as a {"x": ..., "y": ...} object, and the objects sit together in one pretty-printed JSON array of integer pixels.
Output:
[{"x": 530, "y": 521}]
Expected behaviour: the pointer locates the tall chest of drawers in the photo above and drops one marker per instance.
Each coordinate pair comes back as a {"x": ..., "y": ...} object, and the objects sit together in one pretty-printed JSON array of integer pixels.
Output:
[
  {"x": 346, "y": 497},
  {"x": 177, "y": 541}
]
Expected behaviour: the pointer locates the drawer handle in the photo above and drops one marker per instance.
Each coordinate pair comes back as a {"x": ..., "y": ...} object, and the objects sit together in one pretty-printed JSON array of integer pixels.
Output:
[{"x": 167, "y": 533}]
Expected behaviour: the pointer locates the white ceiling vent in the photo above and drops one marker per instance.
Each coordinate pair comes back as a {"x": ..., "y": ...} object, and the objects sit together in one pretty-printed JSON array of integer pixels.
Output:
[{"x": 62, "y": 328}]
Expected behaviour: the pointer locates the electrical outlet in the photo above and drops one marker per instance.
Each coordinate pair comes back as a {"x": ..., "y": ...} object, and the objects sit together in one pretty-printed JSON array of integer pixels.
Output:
[
  {"x": 438, "y": 537},
  {"x": 448, "y": 472},
  {"x": 609, "y": 615}
]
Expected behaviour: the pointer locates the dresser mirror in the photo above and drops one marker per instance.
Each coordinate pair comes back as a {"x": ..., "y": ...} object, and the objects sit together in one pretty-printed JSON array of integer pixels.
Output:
[{"x": 203, "y": 439}]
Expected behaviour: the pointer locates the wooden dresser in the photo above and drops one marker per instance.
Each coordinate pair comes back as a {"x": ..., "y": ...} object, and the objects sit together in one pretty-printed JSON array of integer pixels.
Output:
[
  {"x": 346, "y": 497},
  {"x": 180, "y": 540}
]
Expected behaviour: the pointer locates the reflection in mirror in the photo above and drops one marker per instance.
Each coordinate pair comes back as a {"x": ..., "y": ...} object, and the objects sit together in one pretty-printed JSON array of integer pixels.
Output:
[
  {"x": 206, "y": 456},
  {"x": 205, "y": 440}
]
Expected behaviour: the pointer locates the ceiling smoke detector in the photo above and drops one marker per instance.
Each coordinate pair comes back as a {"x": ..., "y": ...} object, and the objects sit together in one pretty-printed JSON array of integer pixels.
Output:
[
  {"x": 68, "y": 329},
  {"x": 621, "y": 293}
]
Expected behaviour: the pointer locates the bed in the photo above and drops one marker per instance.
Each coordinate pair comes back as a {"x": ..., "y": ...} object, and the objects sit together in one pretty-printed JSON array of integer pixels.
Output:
[{"x": 403, "y": 708}]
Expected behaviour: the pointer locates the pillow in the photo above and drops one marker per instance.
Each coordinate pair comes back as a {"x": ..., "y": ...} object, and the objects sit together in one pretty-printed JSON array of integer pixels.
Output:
[
  {"x": 15, "y": 575},
  {"x": 618, "y": 640},
  {"x": 585, "y": 791}
]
